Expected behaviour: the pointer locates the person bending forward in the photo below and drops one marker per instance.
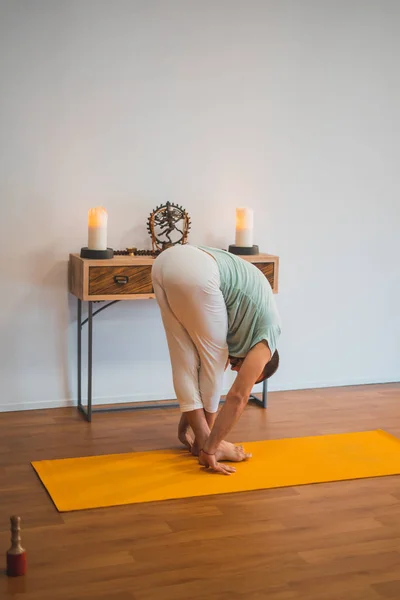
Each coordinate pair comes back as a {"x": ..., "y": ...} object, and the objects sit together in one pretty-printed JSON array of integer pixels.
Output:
[{"x": 216, "y": 308}]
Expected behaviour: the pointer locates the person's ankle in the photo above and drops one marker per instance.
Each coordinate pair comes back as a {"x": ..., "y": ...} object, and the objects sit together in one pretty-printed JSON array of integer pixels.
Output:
[
  {"x": 209, "y": 446},
  {"x": 198, "y": 445}
]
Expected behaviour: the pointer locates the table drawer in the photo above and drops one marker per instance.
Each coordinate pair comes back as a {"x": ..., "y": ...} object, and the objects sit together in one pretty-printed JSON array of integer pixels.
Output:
[{"x": 130, "y": 279}]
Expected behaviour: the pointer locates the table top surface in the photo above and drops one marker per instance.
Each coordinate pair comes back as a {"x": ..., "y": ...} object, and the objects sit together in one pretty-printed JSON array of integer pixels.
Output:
[{"x": 148, "y": 260}]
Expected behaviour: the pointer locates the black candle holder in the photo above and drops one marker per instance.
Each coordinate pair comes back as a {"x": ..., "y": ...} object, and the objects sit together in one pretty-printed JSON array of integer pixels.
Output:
[
  {"x": 243, "y": 250},
  {"x": 97, "y": 254}
]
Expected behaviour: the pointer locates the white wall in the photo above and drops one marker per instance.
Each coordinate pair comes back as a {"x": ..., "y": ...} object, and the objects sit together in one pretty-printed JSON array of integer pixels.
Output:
[{"x": 291, "y": 107}]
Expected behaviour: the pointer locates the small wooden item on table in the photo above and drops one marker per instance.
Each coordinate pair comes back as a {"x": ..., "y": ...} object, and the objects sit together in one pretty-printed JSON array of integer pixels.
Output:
[{"x": 16, "y": 555}]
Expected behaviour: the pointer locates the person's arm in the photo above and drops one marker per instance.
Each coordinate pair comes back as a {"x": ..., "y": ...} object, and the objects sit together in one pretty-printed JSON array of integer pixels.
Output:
[{"x": 238, "y": 395}]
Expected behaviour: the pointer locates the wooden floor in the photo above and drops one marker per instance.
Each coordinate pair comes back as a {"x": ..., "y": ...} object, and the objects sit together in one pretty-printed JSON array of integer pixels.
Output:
[{"x": 331, "y": 541}]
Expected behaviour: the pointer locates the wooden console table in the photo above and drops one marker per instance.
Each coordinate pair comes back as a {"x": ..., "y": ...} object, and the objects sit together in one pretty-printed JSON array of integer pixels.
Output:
[{"x": 127, "y": 278}]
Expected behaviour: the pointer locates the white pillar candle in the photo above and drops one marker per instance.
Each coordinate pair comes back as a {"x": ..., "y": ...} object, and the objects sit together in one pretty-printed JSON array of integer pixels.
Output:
[
  {"x": 97, "y": 225},
  {"x": 244, "y": 227}
]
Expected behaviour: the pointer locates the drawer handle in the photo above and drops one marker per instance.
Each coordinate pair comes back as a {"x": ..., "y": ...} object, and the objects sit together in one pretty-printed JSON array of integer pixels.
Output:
[{"x": 121, "y": 279}]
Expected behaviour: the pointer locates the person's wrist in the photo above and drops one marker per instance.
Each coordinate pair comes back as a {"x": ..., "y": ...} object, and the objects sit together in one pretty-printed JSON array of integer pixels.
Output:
[{"x": 207, "y": 453}]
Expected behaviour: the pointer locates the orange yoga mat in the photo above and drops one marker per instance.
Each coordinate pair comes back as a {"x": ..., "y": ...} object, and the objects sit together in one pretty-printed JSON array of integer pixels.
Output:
[{"x": 116, "y": 479}]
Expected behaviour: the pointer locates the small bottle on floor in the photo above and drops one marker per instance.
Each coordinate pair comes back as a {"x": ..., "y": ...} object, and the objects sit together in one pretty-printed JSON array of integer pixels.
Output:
[{"x": 16, "y": 555}]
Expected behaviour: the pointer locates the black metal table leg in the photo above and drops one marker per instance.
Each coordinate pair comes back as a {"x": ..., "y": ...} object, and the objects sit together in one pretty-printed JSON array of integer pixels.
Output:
[
  {"x": 79, "y": 324},
  {"x": 263, "y": 402},
  {"x": 90, "y": 361},
  {"x": 265, "y": 393}
]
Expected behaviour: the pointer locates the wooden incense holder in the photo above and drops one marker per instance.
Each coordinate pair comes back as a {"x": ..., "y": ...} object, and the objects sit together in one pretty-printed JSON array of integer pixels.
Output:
[{"x": 16, "y": 555}]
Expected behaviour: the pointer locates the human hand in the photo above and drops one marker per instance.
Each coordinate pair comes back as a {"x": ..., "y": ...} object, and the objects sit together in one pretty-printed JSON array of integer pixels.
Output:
[{"x": 209, "y": 461}]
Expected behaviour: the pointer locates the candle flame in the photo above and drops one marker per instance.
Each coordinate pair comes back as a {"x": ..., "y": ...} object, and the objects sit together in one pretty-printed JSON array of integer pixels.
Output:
[
  {"x": 244, "y": 218},
  {"x": 97, "y": 217}
]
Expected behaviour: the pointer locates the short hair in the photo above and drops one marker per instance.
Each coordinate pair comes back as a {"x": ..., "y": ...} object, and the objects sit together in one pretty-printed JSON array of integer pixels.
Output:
[{"x": 270, "y": 368}]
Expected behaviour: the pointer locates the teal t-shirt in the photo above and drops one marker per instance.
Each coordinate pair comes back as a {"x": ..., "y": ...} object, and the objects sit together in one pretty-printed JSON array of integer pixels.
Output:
[{"x": 250, "y": 303}]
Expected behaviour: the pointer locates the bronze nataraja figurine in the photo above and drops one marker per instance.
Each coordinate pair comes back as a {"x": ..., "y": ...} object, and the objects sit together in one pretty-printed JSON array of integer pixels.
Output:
[{"x": 163, "y": 227}]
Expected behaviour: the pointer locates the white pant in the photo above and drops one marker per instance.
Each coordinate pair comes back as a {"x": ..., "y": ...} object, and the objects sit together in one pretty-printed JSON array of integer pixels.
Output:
[{"x": 186, "y": 285}]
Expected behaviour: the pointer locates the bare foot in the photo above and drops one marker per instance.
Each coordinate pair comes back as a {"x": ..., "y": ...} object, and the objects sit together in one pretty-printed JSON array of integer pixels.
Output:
[
  {"x": 231, "y": 453},
  {"x": 228, "y": 452},
  {"x": 184, "y": 434}
]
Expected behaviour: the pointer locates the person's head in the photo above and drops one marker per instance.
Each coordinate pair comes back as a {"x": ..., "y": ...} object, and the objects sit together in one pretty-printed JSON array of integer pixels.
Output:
[{"x": 269, "y": 369}]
